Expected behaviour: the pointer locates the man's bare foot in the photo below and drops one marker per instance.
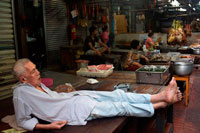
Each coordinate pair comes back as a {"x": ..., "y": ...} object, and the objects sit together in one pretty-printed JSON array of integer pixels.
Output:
[
  {"x": 179, "y": 95},
  {"x": 171, "y": 93},
  {"x": 173, "y": 83}
]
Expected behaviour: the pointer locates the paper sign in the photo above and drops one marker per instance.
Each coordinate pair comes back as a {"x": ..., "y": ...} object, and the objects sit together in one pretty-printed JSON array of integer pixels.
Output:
[{"x": 74, "y": 13}]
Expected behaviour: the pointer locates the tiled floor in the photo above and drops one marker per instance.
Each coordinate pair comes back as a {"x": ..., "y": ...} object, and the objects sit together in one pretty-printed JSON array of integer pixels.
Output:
[{"x": 187, "y": 119}]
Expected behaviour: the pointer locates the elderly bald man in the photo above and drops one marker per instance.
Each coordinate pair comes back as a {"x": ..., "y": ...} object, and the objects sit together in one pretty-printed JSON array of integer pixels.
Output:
[{"x": 32, "y": 98}]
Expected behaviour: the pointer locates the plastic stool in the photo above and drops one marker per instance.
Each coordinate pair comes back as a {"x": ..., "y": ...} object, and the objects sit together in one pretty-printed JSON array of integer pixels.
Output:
[{"x": 187, "y": 89}]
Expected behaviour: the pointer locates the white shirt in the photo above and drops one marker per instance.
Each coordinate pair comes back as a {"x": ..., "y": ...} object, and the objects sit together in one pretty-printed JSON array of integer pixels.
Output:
[{"x": 75, "y": 107}]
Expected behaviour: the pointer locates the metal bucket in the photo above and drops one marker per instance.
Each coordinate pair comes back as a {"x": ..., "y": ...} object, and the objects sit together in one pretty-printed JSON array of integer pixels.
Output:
[{"x": 182, "y": 68}]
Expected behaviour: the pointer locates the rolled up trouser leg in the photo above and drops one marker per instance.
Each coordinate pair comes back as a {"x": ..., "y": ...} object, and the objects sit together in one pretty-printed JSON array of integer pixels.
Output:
[{"x": 110, "y": 109}]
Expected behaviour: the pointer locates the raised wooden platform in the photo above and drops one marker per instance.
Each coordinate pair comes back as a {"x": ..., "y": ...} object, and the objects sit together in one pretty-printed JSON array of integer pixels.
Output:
[{"x": 105, "y": 125}]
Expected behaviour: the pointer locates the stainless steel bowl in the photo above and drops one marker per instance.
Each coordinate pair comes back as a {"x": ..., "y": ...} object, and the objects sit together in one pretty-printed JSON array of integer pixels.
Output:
[
  {"x": 182, "y": 68},
  {"x": 196, "y": 50}
]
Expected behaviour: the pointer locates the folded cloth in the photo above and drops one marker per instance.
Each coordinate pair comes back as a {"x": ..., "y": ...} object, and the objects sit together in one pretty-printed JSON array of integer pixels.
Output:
[
  {"x": 12, "y": 130},
  {"x": 11, "y": 120}
]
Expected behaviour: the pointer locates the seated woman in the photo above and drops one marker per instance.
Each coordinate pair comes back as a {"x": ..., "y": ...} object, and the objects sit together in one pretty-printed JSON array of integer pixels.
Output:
[
  {"x": 105, "y": 37},
  {"x": 149, "y": 42},
  {"x": 91, "y": 41},
  {"x": 135, "y": 60}
]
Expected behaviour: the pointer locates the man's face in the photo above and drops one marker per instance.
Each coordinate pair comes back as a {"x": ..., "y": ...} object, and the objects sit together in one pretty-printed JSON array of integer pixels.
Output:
[
  {"x": 95, "y": 32},
  {"x": 32, "y": 75}
]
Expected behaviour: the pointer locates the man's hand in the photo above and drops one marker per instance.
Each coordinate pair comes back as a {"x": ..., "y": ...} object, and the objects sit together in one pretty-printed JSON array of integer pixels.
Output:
[
  {"x": 53, "y": 125},
  {"x": 64, "y": 88},
  {"x": 57, "y": 124}
]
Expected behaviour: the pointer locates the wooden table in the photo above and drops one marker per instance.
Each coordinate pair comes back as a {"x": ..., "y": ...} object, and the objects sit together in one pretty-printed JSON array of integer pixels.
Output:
[
  {"x": 114, "y": 124},
  {"x": 61, "y": 78}
]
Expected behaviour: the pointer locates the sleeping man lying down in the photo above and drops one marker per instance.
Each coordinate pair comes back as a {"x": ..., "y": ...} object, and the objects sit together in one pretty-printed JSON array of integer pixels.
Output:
[{"x": 32, "y": 98}]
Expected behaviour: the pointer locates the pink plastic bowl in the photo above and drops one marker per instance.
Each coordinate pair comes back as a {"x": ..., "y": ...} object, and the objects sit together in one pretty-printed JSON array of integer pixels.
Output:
[{"x": 47, "y": 81}]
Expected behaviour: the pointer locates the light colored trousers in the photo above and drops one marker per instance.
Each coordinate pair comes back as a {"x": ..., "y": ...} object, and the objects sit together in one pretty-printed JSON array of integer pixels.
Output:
[{"x": 120, "y": 103}]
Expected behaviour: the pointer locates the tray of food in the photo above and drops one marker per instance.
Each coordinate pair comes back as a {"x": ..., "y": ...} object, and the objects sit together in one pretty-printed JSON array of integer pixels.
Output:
[
  {"x": 195, "y": 45},
  {"x": 159, "y": 58},
  {"x": 102, "y": 71},
  {"x": 152, "y": 74}
]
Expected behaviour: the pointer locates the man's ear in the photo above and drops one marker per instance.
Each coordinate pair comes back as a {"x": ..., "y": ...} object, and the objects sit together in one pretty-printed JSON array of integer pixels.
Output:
[{"x": 22, "y": 79}]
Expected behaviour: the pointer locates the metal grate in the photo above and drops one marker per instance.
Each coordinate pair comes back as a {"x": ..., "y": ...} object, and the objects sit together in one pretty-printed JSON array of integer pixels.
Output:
[
  {"x": 7, "y": 48},
  {"x": 56, "y": 20}
]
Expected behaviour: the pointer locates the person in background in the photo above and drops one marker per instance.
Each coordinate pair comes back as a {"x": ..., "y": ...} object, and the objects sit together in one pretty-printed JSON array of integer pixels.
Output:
[
  {"x": 91, "y": 43},
  {"x": 33, "y": 100},
  {"x": 149, "y": 42},
  {"x": 105, "y": 37},
  {"x": 135, "y": 60}
]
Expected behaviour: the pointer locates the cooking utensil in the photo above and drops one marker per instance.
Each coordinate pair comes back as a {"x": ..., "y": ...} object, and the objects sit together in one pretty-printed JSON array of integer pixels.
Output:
[{"x": 183, "y": 68}]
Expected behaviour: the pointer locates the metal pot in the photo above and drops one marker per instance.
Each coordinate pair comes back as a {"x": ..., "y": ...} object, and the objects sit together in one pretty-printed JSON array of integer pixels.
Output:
[
  {"x": 196, "y": 50},
  {"x": 183, "y": 68}
]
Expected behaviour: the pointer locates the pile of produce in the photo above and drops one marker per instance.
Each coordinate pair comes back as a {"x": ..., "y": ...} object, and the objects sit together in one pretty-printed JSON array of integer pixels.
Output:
[
  {"x": 160, "y": 57},
  {"x": 153, "y": 68},
  {"x": 176, "y": 33}
]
